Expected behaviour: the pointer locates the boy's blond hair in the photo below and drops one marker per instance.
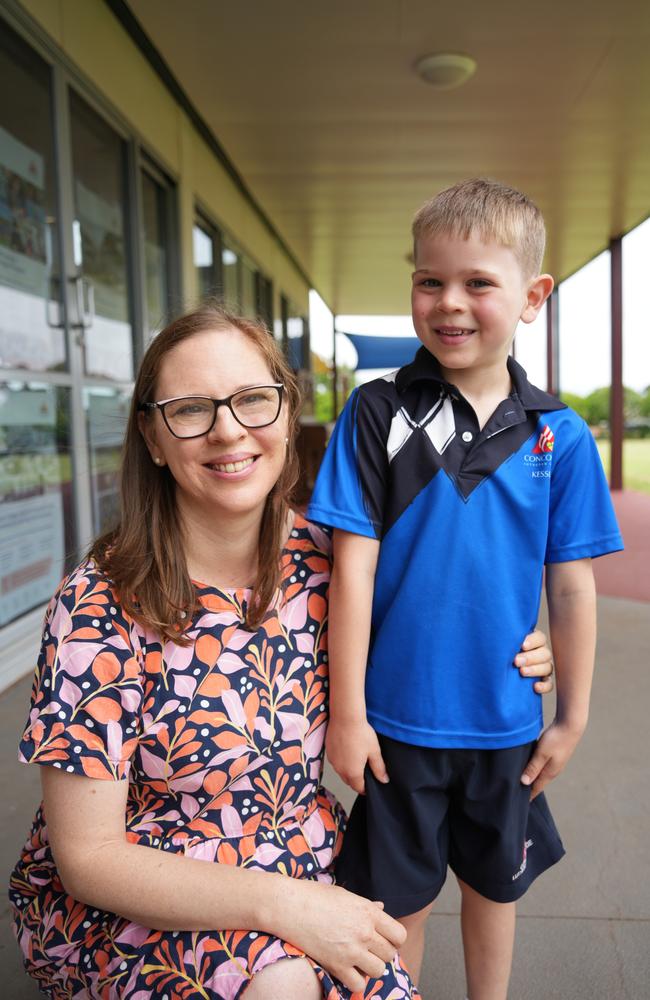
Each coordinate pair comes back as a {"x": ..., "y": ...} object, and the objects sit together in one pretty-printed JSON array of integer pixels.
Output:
[{"x": 495, "y": 212}]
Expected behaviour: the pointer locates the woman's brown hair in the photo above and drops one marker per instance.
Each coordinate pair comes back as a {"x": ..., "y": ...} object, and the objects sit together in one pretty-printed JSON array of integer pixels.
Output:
[{"x": 143, "y": 555}]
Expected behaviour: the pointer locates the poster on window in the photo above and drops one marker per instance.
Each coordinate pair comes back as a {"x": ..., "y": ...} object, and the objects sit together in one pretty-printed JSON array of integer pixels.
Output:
[
  {"x": 100, "y": 256},
  {"x": 23, "y": 249},
  {"x": 31, "y": 553},
  {"x": 100, "y": 251}
]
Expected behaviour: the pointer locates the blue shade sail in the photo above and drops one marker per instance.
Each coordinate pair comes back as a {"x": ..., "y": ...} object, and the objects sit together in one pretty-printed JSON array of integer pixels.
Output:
[{"x": 383, "y": 352}]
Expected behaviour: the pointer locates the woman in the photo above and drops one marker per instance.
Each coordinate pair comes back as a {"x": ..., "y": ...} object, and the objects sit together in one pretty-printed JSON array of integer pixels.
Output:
[{"x": 180, "y": 703}]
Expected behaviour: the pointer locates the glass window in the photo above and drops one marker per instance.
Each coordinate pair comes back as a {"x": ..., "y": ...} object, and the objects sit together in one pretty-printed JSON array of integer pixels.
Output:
[
  {"x": 264, "y": 298},
  {"x": 36, "y": 509},
  {"x": 207, "y": 259},
  {"x": 155, "y": 212},
  {"x": 295, "y": 345},
  {"x": 231, "y": 267},
  {"x": 279, "y": 325},
  {"x": 100, "y": 202},
  {"x": 249, "y": 288},
  {"x": 203, "y": 260},
  {"x": 295, "y": 336},
  {"x": 31, "y": 328},
  {"x": 107, "y": 411}
]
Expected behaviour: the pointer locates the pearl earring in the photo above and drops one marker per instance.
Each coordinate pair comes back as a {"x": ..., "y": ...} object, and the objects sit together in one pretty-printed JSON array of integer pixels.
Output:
[{"x": 157, "y": 460}]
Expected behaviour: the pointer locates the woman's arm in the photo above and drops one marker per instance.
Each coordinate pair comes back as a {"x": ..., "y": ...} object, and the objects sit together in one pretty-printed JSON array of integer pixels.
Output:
[{"x": 98, "y": 866}]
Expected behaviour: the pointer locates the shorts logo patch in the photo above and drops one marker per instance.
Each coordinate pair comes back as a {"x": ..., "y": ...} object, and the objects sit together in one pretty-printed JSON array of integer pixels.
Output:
[
  {"x": 524, "y": 860},
  {"x": 545, "y": 441}
]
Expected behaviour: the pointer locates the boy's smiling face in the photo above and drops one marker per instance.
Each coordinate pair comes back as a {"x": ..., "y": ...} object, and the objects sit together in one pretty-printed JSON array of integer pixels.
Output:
[{"x": 467, "y": 298}]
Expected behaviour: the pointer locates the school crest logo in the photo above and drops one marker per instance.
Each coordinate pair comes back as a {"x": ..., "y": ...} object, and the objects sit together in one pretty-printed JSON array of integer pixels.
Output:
[{"x": 545, "y": 441}]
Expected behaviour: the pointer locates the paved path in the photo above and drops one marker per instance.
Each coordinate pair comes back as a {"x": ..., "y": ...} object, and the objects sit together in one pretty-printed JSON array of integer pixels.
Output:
[{"x": 627, "y": 573}]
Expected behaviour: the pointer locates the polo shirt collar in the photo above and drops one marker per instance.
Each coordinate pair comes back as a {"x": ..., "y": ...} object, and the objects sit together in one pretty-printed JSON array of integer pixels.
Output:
[{"x": 425, "y": 367}]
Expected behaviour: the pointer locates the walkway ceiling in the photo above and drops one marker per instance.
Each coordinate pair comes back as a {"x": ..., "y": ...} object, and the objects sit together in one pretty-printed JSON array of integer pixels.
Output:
[{"x": 339, "y": 141}]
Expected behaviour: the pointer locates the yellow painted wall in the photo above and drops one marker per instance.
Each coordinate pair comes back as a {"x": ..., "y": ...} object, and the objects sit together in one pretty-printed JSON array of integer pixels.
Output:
[{"x": 93, "y": 39}]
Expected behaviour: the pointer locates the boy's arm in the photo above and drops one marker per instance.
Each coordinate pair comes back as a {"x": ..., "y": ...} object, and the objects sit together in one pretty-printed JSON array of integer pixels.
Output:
[
  {"x": 571, "y": 595},
  {"x": 351, "y": 741}
]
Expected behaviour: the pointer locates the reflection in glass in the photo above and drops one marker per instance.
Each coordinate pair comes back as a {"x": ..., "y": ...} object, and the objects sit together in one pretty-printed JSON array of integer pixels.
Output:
[
  {"x": 107, "y": 411},
  {"x": 296, "y": 343},
  {"x": 36, "y": 507},
  {"x": 248, "y": 296},
  {"x": 264, "y": 298},
  {"x": 203, "y": 260},
  {"x": 230, "y": 269},
  {"x": 31, "y": 329},
  {"x": 98, "y": 156},
  {"x": 156, "y": 252}
]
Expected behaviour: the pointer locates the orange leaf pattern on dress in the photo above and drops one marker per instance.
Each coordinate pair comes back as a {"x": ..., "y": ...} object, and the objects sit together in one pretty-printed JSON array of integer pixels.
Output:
[{"x": 222, "y": 745}]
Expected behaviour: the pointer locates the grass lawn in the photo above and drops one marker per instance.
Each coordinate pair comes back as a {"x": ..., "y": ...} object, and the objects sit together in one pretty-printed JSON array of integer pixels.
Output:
[{"x": 636, "y": 463}]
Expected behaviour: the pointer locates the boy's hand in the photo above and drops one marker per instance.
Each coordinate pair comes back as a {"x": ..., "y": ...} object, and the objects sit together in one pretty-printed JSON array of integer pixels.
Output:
[
  {"x": 350, "y": 745},
  {"x": 554, "y": 748}
]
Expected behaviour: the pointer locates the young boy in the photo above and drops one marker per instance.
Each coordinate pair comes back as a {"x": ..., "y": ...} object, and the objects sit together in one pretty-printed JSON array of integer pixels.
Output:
[{"x": 451, "y": 484}]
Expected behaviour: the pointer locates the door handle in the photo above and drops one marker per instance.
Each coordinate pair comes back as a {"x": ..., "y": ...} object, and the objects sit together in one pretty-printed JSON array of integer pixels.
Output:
[{"x": 85, "y": 301}]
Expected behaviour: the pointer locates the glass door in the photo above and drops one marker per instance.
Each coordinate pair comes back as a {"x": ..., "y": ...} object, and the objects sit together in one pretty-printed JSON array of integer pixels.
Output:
[
  {"x": 31, "y": 318},
  {"x": 100, "y": 286},
  {"x": 101, "y": 272},
  {"x": 87, "y": 272},
  {"x": 157, "y": 226},
  {"x": 36, "y": 469}
]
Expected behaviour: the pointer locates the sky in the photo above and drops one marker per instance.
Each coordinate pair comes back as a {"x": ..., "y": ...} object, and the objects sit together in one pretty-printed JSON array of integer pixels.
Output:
[{"x": 584, "y": 325}]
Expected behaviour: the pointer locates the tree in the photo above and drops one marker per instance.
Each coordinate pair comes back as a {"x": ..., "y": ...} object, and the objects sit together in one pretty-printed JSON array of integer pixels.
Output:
[
  {"x": 644, "y": 405},
  {"x": 576, "y": 403},
  {"x": 594, "y": 408}
]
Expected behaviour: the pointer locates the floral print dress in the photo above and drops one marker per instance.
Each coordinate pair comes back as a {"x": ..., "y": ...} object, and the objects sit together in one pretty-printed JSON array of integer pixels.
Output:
[{"x": 222, "y": 745}]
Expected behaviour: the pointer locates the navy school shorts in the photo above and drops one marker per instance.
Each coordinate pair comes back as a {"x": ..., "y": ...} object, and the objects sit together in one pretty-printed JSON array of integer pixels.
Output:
[{"x": 465, "y": 809}]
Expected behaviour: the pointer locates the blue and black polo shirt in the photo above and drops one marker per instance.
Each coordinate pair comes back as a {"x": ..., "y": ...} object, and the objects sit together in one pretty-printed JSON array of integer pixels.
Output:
[{"x": 467, "y": 518}]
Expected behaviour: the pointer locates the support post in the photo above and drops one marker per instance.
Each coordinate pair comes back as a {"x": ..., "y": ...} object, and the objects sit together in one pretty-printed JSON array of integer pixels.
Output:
[
  {"x": 616, "y": 418},
  {"x": 335, "y": 373},
  {"x": 552, "y": 343}
]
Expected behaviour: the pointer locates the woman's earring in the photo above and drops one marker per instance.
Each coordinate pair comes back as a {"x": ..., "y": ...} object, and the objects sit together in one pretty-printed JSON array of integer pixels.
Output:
[{"x": 157, "y": 460}]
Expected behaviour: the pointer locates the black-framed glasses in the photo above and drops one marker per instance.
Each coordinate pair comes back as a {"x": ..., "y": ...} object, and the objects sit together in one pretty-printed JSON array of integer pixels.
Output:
[{"x": 194, "y": 416}]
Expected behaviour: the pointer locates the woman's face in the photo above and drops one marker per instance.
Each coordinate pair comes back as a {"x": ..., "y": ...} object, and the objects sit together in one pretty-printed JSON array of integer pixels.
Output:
[{"x": 232, "y": 469}]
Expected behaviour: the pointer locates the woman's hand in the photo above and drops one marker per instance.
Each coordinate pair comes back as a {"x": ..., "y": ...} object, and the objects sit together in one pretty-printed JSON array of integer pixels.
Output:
[
  {"x": 347, "y": 935},
  {"x": 536, "y": 660}
]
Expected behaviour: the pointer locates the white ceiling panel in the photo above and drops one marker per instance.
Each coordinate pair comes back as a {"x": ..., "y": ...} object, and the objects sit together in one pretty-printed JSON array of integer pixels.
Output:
[{"x": 339, "y": 141}]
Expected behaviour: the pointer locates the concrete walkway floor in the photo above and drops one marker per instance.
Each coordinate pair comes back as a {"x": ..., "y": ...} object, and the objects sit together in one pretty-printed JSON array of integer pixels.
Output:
[{"x": 584, "y": 928}]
